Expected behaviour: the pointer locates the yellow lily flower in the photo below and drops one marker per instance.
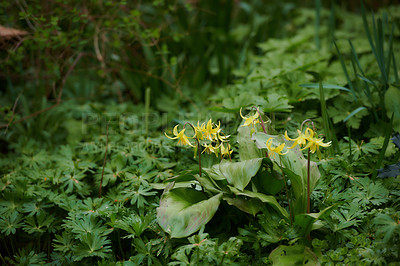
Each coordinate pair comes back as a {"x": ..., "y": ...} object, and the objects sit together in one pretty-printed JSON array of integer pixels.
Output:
[
  {"x": 274, "y": 150},
  {"x": 222, "y": 138},
  {"x": 226, "y": 151},
  {"x": 301, "y": 139},
  {"x": 182, "y": 138},
  {"x": 209, "y": 132},
  {"x": 248, "y": 121},
  {"x": 209, "y": 148},
  {"x": 198, "y": 131},
  {"x": 314, "y": 144}
]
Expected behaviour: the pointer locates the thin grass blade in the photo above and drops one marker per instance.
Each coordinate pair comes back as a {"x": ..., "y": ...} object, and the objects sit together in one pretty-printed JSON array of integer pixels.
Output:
[
  {"x": 359, "y": 109},
  {"x": 345, "y": 71},
  {"x": 384, "y": 147}
]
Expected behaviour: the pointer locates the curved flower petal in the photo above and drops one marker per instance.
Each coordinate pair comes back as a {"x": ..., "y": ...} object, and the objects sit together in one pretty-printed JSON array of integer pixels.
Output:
[
  {"x": 182, "y": 138},
  {"x": 175, "y": 132},
  {"x": 277, "y": 149},
  {"x": 249, "y": 120},
  {"x": 314, "y": 144}
]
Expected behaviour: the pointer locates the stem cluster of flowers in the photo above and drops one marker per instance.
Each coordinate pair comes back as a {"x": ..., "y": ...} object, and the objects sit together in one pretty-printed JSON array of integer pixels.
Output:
[
  {"x": 307, "y": 140},
  {"x": 208, "y": 137}
]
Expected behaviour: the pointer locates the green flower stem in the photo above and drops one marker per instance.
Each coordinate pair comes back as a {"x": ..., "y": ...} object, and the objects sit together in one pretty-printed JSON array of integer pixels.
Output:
[
  {"x": 288, "y": 199},
  {"x": 104, "y": 162},
  {"x": 308, "y": 181},
  {"x": 119, "y": 244},
  {"x": 287, "y": 192},
  {"x": 222, "y": 259},
  {"x": 147, "y": 111},
  {"x": 199, "y": 153},
  {"x": 38, "y": 244},
  {"x": 48, "y": 245},
  {"x": 308, "y": 188},
  {"x": 6, "y": 246},
  {"x": 198, "y": 146},
  {"x": 349, "y": 135},
  {"x": 12, "y": 245},
  {"x": 198, "y": 252},
  {"x": 2, "y": 259}
]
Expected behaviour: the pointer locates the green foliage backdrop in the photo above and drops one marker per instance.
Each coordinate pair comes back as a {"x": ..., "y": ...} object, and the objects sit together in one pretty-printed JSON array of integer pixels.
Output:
[{"x": 89, "y": 89}]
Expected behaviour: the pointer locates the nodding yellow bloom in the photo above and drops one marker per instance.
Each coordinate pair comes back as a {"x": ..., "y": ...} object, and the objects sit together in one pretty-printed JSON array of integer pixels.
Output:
[
  {"x": 209, "y": 148},
  {"x": 248, "y": 121},
  {"x": 307, "y": 140},
  {"x": 222, "y": 138},
  {"x": 207, "y": 131},
  {"x": 210, "y": 133},
  {"x": 182, "y": 138},
  {"x": 198, "y": 131},
  {"x": 226, "y": 151},
  {"x": 301, "y": 139},
  {"x": 274, "y": 150},
  {"x": 315, "y": 143}
]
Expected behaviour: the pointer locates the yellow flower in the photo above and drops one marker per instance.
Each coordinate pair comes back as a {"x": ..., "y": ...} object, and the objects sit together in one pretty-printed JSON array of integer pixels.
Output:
[
  {"x": 301, "y": 139},
  {"x": 274, "y": 150},
  {"x": 198, "y": 131},
  {"x": 209, "y": 148},
  {"x": 226, "y": 151},
  {"x": 315, "y": 143},
  {"x": 249, "y": 120},
  {"x": 182, "y": 138},
  {"x": 223, "y": 138},
  {"x": 209, "y": 132}
]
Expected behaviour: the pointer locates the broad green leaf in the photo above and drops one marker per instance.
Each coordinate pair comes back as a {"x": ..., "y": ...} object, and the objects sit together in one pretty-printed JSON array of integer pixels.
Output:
[
  {"x": 299, "y": 203},
  {"x": 239, "y": 174},
  {"x": 293, "y": 255},
  {"x": 247, "y": 148},
  {"x": 208, "y": 183},
  {"x": 251, "y": 206},
  {"x": 184, "y": 211},
  {"x": 269, "y": 182},
  {"x": 214, "y": 172},
  {"x": 264, "y": 198}
]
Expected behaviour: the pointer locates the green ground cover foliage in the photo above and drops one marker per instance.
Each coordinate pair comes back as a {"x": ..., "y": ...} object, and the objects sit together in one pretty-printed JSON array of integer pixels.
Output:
[{"x": 96, "y": 95}]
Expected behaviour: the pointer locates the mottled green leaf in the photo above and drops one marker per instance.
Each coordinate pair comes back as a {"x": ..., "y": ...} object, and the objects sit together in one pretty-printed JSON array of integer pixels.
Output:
[
  {"x": 239, "y": 174},
  {"x": 183, "y": 211},
  {"x": 264, "y": 198},
  {"x": 251, "y": 206},
  {"x": 247, "y": 148}
]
